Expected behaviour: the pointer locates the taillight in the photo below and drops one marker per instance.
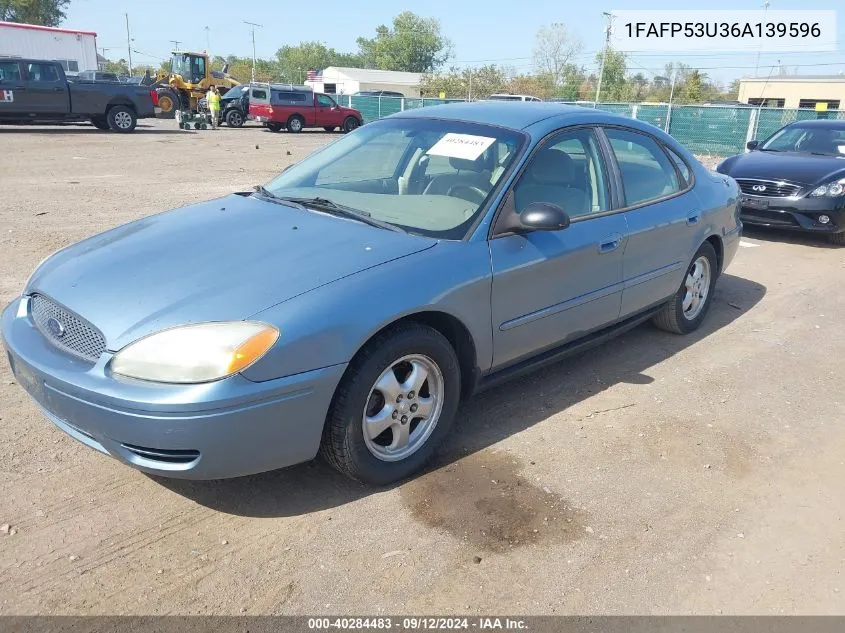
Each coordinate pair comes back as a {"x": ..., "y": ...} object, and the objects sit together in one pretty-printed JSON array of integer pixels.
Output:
[{"x": 154, "y": 96}]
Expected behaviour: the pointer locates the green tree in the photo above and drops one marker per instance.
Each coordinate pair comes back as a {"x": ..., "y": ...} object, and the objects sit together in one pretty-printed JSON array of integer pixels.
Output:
[
  {"x": 413, "y": 44},
  {"x": 294, "y": 61},
  {"x": 41, "y": 12},
  {"x": 693, "y": 90},
  {"x": 613, "y": 84},
  {"x": 120, "y": 67}
]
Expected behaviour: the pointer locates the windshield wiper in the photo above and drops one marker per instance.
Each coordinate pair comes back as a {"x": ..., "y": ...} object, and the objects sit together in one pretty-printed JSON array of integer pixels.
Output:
[
  {"x": 341, "y": 210},
  {"x": 766, "y": 149},
  {"x": 272, "y": 197}
]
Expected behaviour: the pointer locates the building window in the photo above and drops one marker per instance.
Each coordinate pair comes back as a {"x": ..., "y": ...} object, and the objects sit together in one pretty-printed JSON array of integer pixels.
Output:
[
  {"x": 832, "y": 104},
  {"x": 768, "y": 102},
  {"x": 330, "y": 89}
]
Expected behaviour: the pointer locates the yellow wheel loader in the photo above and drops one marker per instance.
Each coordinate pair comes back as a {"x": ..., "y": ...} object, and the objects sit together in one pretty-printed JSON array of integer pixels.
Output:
[{"x": 187, "y": 81}]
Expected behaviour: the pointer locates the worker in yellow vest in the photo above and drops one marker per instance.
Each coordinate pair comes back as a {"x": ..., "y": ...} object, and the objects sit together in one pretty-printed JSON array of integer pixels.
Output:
[{"x": 212, "y": 98}]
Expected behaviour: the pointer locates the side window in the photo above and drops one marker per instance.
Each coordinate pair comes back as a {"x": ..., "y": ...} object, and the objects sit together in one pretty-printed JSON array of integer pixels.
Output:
[
  {"x": 72, "y": 66},
  {"x": 567, "y": 171},
  {"x": 325, "y": 101},
  {"x": 259, "y": 94},
  {"x": 43, "y": 72},
  {"x": 647, "y": 173},
  {"x": 10, "y": 71},
  {"x": 683, "y": 168}
]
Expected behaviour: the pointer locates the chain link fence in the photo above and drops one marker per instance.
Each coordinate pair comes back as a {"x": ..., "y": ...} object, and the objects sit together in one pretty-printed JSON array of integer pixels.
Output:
[{"x": 704, "y": 130}]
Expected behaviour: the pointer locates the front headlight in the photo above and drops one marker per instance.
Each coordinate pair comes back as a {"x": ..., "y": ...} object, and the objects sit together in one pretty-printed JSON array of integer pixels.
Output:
[
  {"x": 196, "y": 353},
  {"x": 832, "y": 189}
]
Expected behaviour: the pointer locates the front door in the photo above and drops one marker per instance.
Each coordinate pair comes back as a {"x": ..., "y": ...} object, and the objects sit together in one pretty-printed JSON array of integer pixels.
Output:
[
  {"x": 47, "y": 91},
  {"x": 551, "y": 287},
  {"x": 663, "y": 215},
  {"x": 328, "y": 114}
]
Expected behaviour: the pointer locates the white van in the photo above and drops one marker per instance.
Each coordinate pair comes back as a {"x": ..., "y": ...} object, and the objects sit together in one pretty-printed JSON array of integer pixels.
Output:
[{"x": 509, "y": 97}]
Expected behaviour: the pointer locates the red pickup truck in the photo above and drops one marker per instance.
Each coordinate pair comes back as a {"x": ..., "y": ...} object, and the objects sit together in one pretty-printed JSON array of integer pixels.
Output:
[{"x": 295, "y": 108}]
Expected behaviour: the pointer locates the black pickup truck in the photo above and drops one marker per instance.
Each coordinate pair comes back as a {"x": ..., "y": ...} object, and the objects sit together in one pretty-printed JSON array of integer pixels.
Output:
[{"x": 37, "y": 91}]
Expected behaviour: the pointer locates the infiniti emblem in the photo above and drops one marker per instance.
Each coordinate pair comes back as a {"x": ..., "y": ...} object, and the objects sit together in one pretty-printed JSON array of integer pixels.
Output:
[
  {"x": 56, "y": 328},
  {"x": 759, "y": 187}
]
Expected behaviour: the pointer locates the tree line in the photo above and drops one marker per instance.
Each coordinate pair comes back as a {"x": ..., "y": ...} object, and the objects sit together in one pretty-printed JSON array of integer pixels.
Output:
[{"x": 414, "y": 43}]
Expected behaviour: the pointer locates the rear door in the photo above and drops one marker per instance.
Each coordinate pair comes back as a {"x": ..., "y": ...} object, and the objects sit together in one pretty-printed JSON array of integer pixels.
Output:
[
  {"x": 663, "y": 217},
  {"x": 13, "y": 96},
  {"x": 48, "y": 93}
]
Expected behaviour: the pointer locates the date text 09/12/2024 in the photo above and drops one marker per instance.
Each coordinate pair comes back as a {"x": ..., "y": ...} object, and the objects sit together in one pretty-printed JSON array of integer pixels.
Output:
[{"x": 416, "y": 623}]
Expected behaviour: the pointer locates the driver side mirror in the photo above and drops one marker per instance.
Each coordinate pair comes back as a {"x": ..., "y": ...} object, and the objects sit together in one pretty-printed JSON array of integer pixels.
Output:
[
  {"x": 752, "y": 145},
  {"x": 537, "y": 216}
]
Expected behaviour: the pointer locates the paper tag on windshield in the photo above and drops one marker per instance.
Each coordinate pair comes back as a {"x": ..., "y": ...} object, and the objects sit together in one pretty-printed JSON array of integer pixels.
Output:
[
  {"x": 466, "y": 146},
  {"x": 841, "y": 149}
]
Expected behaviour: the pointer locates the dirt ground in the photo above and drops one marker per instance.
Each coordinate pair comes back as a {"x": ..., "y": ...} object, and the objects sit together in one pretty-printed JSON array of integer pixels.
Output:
[{"x": 654, "y": 475}]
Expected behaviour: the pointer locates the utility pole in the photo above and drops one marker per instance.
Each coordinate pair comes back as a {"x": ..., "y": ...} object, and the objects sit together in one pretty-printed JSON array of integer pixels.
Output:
[
  {"x": 469, "y": 94},
  {"x": 253, "y": 25},
  {"x": 128, "y": 44},
  {"x": 207, "y": 41},
  {"x": 671, "y": 96},
  {"x": 607, "y": 33},
  {"x": 765, "y": 9},
  {"x": 175, "y": 44}
]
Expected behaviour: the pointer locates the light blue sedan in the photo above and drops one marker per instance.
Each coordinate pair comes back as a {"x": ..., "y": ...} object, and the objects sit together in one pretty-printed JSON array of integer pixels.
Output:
[{"x": 350, "y": 304}]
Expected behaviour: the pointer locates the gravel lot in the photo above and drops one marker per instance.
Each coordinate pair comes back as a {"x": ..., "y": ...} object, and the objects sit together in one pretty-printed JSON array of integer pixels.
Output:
[{"x": 655, "y": 474}]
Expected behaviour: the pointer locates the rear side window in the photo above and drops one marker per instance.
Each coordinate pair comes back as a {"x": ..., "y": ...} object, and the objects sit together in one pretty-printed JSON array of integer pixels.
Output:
[
  {"x": 10, "y": 71},
  {"x": 683, "y": 169},
  {"x": 647, "y": 172},
  {"x": 257, "y": 93},
  {"x": 43, "y": 72},
  {"x": 287, "y": 97}
]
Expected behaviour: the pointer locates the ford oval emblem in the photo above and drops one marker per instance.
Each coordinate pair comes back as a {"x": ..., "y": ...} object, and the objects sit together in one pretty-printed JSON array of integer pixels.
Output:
[{"x": 55, "y": 327}]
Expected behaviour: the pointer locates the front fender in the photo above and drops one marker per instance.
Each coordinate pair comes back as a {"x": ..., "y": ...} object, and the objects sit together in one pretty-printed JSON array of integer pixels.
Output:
[{"x": 328, "y": 325}]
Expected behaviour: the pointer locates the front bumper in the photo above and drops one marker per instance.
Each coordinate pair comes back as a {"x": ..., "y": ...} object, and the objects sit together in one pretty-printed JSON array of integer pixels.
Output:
[
  {"x": 797, "y": 214},
  {"x": 217, "y": 430}
]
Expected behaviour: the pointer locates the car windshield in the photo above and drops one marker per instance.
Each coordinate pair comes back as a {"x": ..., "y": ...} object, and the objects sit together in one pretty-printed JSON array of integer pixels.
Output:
[
  {"x": 425, "y": 176},
  {"x": 236, "y": 92},
  {"x": 810, "y": 139}
]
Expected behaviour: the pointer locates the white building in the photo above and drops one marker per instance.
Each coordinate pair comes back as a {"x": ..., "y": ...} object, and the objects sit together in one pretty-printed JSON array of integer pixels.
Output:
[
  {"x": 76, "y": 50},
  {"x": 348, "y": 81}
]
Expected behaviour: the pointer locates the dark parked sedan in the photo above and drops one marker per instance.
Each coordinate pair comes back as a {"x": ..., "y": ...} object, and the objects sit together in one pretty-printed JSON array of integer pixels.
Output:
[
  {"x": 348, "y": 306},
  {"x": 795, "y": 180}
]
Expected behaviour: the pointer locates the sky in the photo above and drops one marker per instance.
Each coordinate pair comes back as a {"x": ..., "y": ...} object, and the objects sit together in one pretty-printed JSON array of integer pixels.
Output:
[{"x": 482, "y": 31}]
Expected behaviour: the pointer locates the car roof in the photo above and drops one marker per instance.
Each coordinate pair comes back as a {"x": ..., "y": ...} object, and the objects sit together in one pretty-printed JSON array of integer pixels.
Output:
[
  {"x": 518, "y": 115},
  {"x": 836, "y": 124}
]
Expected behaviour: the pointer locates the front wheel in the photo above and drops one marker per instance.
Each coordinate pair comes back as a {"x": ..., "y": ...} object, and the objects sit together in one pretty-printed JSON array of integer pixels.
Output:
[
  {"x": 350, "y": 124},
  {"x": 685, "y": 312},
  {"x": 234, "y": 118},
  {"x": 122, "y": 119},
  {"x": 394, "y": 406}
]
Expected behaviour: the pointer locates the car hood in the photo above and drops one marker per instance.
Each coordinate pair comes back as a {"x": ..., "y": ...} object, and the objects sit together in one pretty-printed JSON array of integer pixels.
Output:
[
  {"x": 222, "y": 260},
  {"x": 806, "y": 169}
]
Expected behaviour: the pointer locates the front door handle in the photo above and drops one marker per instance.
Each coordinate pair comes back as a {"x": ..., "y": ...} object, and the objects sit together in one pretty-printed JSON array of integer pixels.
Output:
[
  {"x": 58, "y": 89},
  {"x": 693, "y": 219},
  {"x": 610, "y": 244}
]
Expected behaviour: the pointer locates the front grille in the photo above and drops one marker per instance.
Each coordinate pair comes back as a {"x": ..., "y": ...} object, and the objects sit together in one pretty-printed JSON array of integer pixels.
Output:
[
  {"x": 66, "y": 330},
  {"x": 768, "y": 188},
  {"x": 169, "y": 456}
]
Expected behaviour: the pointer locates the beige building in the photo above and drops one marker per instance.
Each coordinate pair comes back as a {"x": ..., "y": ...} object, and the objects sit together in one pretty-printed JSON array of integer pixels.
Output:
[{"x": 794, "y": 91}]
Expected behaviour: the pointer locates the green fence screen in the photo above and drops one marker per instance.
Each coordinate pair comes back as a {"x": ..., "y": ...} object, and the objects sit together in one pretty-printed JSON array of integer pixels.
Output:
[{"x": 713, "y": 130}]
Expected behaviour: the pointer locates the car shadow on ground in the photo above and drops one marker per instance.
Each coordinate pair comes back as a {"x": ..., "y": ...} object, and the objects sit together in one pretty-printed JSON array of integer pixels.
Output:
[
  {"x": 816, "y": 240},
  {"x": 63, "y": 130},
  {"x": 515, "y": 406}
]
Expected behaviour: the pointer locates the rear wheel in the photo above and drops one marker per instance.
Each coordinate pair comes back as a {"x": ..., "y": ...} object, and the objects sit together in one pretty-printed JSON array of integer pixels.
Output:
[
  {"x": 395, "y": 404},
  {"x": 685, "y": 312},
  {"x": 234, "y": 118},
  {"x": 350, "y": 124},
  {"x": 100, "y": 123},
  {"x": 122, "y": 119},
  {"x": 837, "y": 238},
  {"x": 274, "y": 127},
  {"x": 295, "y": 124}
]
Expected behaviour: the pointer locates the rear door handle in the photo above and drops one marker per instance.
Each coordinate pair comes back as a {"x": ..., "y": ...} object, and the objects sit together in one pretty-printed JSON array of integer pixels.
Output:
[{"x": 610, "y": 244}]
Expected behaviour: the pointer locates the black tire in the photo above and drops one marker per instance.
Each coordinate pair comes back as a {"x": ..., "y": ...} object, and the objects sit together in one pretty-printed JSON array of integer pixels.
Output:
[
  {"x": 234, "y": 118},
  {"x": 837, "y": 238},
  {"x": 122, "y": 119},
  {"x": 343, "y": 445},
  {"x": 330, "y": 128},
  {"x": 274, "y": 127},
  {"x": 296, "y": 124},
  {"x": 672, "y": 318},
  {"x": 351, "y": 123},
  {"x": 100, "y": 123}
]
